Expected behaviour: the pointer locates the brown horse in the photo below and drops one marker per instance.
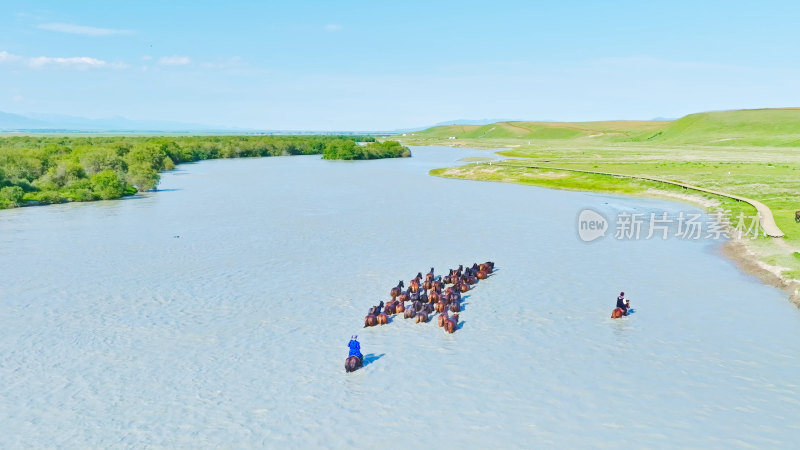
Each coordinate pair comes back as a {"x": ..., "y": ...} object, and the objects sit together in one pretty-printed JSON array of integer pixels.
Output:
[
  {"x": 434, "y": 296},
  {"x": 455, "y": 306},
  {"x": 422, "y": 316},
  {"x": 481, "y": 275},
  {"x": 797, "y": 216},
  {"x": 371, "y": 320},
  {"x": 429, "y": 275},
  {"x": 410, "y": 313},
  {"x": 396, "y": 290},
  {"x": 442, "y": 318},
  {"x": 464, "y": 287},
  {"x": 440, "y": 307},
  {"x": 353, "y": 363},
  {"x": 399, "y": 308},
  {"x": 451, "y": 325},
  {"x": 617, "y": 313},
  {"x": 413, "y": 285},
  {"x": 375, "y": 310},
  {"x": 383, "y": 319}
]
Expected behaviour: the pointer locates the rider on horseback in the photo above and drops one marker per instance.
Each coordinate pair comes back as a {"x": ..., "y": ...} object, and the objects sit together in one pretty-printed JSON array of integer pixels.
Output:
[{"x": 355, "y": 347}]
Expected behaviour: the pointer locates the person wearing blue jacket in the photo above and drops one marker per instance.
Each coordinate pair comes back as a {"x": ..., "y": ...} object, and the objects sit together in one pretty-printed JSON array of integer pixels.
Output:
[{"x": 355, "y": 347}]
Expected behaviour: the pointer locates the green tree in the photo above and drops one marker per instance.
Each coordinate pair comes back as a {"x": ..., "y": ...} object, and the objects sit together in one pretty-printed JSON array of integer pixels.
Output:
[
  {"x": 11, "y": 196},
  {"x": 107, "y": 185},
  {"x": 143, "y": 177},
  {"x": 100, "y": 159}
]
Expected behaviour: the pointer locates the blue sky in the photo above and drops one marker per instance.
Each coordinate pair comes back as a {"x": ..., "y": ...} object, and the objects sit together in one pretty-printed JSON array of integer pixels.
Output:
[{"x": 353, "y": 65}]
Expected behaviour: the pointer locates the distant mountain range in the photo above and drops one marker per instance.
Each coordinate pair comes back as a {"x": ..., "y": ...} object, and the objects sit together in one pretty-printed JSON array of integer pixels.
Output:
[
  {"x": 61, "y": 123},
  {"x": 44, "y": 123}
]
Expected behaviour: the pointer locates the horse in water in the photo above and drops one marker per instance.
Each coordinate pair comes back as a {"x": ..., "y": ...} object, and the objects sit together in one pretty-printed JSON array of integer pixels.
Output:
[
  {"x": 397, "y": 290},
  {"x": 442, "y": 318},
  {"x": 451, "y": 325},
  {"x": 423, "y": 295},
  {"x": 353, "y": 363},
  {"x": 620, "y": 311},
  {"x": 383, "y": 319},
  {"x": 413, "y": 285},
  {"x": 429, "y": 275},
  {"x": 617, "y": 313}
]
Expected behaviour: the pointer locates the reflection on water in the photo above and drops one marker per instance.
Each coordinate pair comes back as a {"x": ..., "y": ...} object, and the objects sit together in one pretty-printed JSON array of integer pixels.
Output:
[{"x": 117, "y": 333}]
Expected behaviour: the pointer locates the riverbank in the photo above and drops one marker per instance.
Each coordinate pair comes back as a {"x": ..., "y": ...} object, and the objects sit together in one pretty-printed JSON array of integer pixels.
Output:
[
  {"x": 739, "y": 154},
  {"x": 770, "y": 259},
  {"x": 36, "y": 170}
]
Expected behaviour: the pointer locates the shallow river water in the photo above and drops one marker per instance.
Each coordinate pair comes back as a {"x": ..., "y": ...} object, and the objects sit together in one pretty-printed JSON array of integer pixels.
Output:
[{"x": 216, "y": 312}]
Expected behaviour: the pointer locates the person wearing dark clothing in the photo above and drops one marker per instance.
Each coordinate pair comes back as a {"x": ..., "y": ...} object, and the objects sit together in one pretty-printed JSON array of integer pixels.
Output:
[{"x": 623, "y": 303}]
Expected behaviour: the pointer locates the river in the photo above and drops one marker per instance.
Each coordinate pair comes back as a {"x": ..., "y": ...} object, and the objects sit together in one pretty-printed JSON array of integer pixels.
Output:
[{"x": 216, "y": 312}]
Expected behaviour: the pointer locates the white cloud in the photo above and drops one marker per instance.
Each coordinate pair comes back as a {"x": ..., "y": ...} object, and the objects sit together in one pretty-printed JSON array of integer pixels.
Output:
[
  {"x": 174, "y": 60},
  {"x": 74, "y": 62},
  {"x": 79, "y": 62},
  {"x": 332, "y": 27},
  {"x": 146, "y": 58},
  {"x": 81, "y": 29},
  {"x": 6, "y": 57}
]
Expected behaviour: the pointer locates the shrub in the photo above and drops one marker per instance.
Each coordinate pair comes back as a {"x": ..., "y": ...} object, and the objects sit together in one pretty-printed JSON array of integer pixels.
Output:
[{"x": 107, "y": 185}]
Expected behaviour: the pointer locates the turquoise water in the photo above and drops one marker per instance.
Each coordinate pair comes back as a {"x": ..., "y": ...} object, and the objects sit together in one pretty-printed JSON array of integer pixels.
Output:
[{"x": 216, "y": 312}]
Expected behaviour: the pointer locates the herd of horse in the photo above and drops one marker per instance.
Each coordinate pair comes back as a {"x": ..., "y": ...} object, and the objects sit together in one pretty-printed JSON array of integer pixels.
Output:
[{"x": 424, "y": 296}]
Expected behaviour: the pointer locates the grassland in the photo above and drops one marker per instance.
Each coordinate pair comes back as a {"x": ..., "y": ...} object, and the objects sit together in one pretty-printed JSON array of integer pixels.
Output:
[{"x": 751, "y": 153}]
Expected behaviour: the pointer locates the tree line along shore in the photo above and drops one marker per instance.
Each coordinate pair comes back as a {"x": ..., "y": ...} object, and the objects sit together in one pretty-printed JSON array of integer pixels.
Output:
[{"x": 45, "y": 170}]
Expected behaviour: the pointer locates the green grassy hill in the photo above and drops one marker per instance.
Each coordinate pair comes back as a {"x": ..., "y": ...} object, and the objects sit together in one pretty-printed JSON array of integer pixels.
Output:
[
  {"x": 546, "y": 130},
  {"x": 752, "y": 127},
  {"x": 751, "y": 153},
  {"x": 739, "y": 128}
]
